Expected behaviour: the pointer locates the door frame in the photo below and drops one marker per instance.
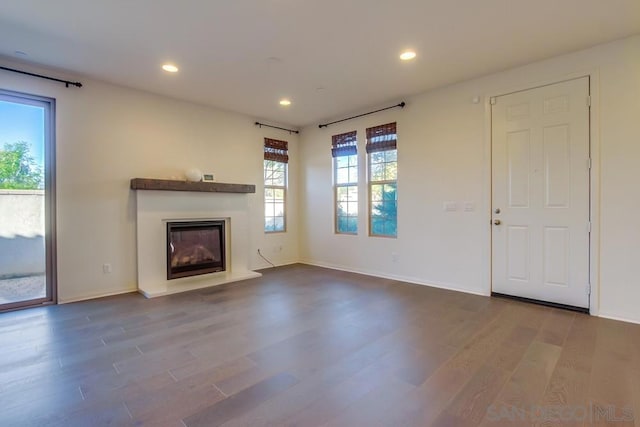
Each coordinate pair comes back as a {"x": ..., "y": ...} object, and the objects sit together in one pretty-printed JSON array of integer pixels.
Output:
[
  {"x": 594, "y": 178},
  {"x": 51, "y": 271}
]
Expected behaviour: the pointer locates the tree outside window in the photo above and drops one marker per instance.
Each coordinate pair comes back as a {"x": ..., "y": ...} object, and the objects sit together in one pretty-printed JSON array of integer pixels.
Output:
[{"x": 18, "y": 169}]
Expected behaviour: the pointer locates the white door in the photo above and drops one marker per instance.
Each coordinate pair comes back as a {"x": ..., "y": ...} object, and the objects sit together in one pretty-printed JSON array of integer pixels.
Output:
[{"x": 540, "y": 189}]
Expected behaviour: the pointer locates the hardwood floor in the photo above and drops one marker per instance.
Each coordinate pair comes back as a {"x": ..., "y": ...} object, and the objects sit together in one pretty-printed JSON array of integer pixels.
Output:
[{"x": 305, "y": 346}]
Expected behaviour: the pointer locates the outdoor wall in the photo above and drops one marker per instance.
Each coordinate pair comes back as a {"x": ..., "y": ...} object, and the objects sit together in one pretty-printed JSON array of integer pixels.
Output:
[
  {"x": 21, "y": 233},
  {"x": 108, "y": 134},
  {"x": 443, "y": 148}
]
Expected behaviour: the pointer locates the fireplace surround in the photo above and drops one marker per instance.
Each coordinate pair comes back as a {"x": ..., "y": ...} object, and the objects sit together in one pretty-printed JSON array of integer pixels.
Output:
[{"x": 155, "y": 208}]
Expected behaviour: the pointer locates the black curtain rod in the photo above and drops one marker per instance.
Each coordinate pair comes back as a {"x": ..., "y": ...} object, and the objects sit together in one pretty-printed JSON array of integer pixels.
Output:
[
  {"x": 66, "y": 82},
  {"x": 401, "y": 105},
  {"x": 276, "y": 127}
]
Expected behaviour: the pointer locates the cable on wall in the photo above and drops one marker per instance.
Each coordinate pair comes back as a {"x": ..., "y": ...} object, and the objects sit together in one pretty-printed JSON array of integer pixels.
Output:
[
  {"x": 277, "y": 127},
  {"x": 265, "y": 258},
  {"x": 401, "y": 105},
  {"x": 67, "y": 83}
]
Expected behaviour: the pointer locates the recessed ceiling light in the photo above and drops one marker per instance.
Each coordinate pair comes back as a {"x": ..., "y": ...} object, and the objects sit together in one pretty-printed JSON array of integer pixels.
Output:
[
  {"x": 407, "y": 55},
  {"x": 170, "y": 68},
  {"x": 285, "y": 102}
]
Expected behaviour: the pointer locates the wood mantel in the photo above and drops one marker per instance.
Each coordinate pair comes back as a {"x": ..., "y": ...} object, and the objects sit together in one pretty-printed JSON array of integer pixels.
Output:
[{"x": 173, "y": 185}]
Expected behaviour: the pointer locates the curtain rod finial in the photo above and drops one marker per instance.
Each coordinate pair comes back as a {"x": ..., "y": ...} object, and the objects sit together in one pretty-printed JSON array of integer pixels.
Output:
[{"x": 402, "y": 104}]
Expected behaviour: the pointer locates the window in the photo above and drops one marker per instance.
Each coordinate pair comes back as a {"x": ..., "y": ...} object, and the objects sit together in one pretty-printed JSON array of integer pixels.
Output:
[
  {"x": 276, "y": 158},
  {"x": 344, "y": 150},
  {"x": 383, "y": 180}
]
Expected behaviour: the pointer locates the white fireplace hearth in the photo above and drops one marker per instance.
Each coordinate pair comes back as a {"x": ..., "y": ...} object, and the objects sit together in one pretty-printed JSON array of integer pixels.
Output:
[{"x": 156, "y": 208}]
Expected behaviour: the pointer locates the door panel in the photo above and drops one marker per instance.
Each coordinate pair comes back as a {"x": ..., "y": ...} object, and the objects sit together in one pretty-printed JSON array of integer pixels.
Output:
[
  {"x": 540, "y": 187},
  {"x": 518, "y": 255},
  {"x": 557, "y": 166},
  {"x": 27, "y": 200},
  {"x": 556, "y": 256},
  {"x": 518, "y": 152}
]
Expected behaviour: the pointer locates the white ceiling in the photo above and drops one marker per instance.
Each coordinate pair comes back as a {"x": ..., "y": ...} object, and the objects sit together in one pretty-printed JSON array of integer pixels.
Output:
[{"x": 244, "y": 55}]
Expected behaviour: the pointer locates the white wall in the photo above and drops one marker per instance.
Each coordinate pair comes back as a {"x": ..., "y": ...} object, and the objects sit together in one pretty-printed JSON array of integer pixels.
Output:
[
  {"x": 107, "y": 135},
  {"x": 443, "y": 156}
]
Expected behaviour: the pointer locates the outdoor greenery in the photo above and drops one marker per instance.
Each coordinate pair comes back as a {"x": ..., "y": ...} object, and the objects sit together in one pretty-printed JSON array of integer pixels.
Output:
[
  {"x": 383, "y": 197},
  {"x": 347, "y": 222},
  {"x": 18, "y": 170},
  {"x": 384, "y": 212},
  {"x": 383, "y": 175}
]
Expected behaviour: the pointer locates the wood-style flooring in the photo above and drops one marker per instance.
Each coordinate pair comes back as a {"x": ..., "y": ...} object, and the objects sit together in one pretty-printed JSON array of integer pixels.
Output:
[{"x": 306, "y": 346}]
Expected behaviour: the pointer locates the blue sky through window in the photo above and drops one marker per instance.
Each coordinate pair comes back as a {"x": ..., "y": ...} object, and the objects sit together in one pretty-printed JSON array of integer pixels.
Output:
[{"x": 19, "y": 122}]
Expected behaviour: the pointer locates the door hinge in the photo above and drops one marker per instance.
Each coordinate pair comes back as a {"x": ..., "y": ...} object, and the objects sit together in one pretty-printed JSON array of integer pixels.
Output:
[
  {"x": 589, "y": 101},
  {"x": 588, "y": 288},
  {"x": 492, "y": 100},
  {"x": 589, "y": 227},
  {"x": 589, "y": 163}
]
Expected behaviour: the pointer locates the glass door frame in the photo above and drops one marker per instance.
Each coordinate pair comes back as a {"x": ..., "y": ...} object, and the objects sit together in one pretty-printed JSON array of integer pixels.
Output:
[{"x": 51, "y": 283}]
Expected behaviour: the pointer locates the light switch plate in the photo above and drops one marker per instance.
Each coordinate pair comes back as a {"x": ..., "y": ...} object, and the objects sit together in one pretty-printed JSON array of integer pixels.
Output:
[
  {"x": 450, "y": 206},
  {"x": 469, "y": 206}
]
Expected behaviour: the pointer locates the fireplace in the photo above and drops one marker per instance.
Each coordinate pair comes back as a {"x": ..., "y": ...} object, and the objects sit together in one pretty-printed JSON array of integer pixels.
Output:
[{"x": 195, "y": 247}]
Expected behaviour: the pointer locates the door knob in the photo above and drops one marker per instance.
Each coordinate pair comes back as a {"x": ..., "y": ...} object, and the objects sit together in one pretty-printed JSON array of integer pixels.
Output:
[{"x": 497, "y": 222}]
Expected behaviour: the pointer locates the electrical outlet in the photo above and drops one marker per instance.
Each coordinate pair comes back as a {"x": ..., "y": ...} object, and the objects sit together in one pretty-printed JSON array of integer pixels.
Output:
[{"x": 106, "y": 268}]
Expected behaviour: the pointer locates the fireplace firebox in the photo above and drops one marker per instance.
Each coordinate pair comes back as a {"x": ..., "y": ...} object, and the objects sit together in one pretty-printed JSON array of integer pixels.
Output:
[{"x": 194, "y": 248}]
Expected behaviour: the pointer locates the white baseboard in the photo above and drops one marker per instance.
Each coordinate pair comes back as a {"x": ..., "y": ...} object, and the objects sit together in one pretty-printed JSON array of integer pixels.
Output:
[
  {"x": 282, "y": 264},
  {"x": 400, "y": 278},
  {"x": 619, "y": 318},
  {"x": 265, "y": 265},
  {"x": 406, "y": 279},
  {"x": 94, "y": 296}
]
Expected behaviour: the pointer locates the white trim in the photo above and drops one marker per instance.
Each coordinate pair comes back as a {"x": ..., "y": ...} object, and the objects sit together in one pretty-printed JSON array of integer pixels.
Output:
[
  {"x": 282, "y": 264},
  {"x": 594, "y": 266},
  {"x": 487, "y": 197},
  {"x": 96, "y": 296},
  {"x": 594, "y": 191},
  {"x": 405, "y": 279},
  {"x": 619, "y": 319}
]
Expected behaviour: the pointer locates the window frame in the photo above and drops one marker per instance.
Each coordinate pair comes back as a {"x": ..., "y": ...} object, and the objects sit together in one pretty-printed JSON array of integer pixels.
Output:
[
  {"x": 50, "y": 197},
  {"x": 371, "y": 183},
  {"x": 284, "y": 196}
]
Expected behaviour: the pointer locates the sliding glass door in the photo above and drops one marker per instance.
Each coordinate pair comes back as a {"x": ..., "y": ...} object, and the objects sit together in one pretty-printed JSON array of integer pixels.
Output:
[{"x": 27, "y": 200}]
